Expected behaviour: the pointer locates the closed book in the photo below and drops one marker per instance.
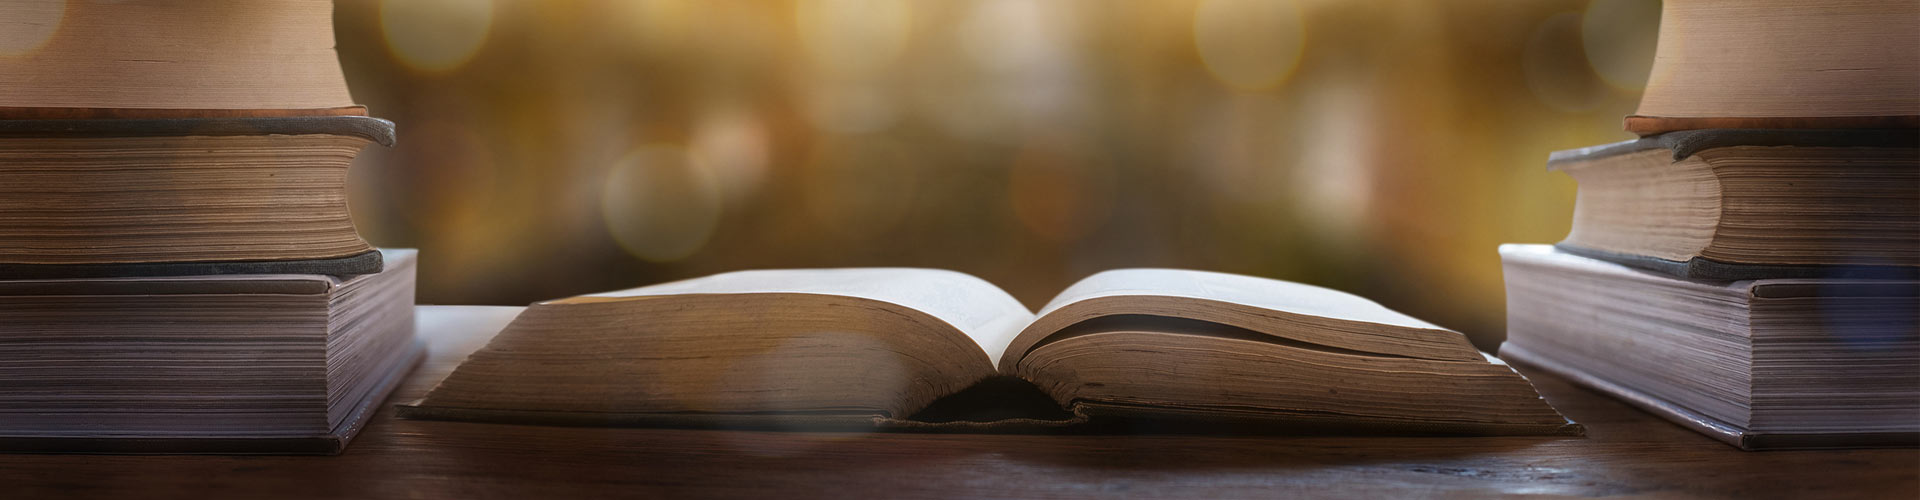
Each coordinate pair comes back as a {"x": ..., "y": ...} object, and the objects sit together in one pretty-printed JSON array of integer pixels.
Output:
[
  {"x": 1751, "y": 203},
  {"x": 255, "y": 363},
  {"x": 181, "y": 196},
  {"x": 1759, "y": 364},
  {"x": 1783, "y": 64},
  {"x": 203, "y": 58}
]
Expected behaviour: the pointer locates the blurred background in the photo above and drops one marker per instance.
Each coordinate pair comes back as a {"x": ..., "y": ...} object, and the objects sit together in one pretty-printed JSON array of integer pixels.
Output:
[{"x": 1381, "y": 147}]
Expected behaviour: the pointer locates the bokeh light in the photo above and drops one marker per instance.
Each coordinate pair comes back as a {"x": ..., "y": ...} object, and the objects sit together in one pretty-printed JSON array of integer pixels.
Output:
[
  {"x": 435, "y": 35},
  {"x": 1619, "y": 36},
  {"x": 659, "y": 204},
  {"x": 1249, "y": 43},
  {"x": 658, "y": 24},
  {"x": 26, "y": 25},
  {"x": 1016, "y": 36},
  {"x": 1334, "y": 178},
  {"x": 854, "y": 36},
  {"x": 1026, "y": 55},
  {"x": 1383, "y": 147},
  {"x": 732, "y": 143}
]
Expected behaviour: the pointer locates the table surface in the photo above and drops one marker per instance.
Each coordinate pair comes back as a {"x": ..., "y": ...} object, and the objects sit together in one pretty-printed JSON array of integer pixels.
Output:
[{"x": 1626, "y": 453}]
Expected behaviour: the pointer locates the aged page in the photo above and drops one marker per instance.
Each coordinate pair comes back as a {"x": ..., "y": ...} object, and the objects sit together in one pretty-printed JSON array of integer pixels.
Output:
[
  {"x": 1245, "y": 290},
  {"x": 978, "y": 309},
  {"x": 1277, "y": 308}
]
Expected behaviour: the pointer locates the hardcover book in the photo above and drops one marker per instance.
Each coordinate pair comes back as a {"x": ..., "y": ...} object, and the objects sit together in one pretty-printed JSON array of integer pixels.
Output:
[
  {"x": 177, "y": 59},
  {"x": 1748, "y": 204},
  {"x": 181, "y": 196},
  {"x": 252, "y": 363},
  {"x": 1783, "y": 64},
  {"x": 1759, "y": 364},
  {"x": 902, "y": 348}
]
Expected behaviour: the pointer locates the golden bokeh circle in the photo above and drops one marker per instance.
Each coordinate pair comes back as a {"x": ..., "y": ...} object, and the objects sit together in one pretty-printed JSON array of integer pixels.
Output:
[
  {"x": 435, "y": 35},
  {"x": 1249, "y": 44},
  {"x": 1618, "y": 37},
  {"x": 659, "y": 204}
]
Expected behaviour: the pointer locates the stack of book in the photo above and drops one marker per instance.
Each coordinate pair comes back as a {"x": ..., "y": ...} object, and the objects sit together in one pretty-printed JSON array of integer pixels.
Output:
[
  {"x": 178, "y": 268},
  {"x": 1750, "y": 267}
]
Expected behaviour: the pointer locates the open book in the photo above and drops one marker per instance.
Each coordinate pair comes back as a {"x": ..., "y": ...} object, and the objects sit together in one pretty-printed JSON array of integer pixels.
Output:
[{"x": 879, "y": 347}]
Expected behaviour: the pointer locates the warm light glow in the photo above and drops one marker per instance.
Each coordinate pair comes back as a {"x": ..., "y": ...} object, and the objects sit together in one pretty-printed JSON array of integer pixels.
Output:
[
  {"x": 26, "y": 25},
  {"x": 1619, "y": 36},
  {"x": 1333, "y": 182},
  {"x": 1249, "y": 44},
  {"x": 659, "y": 204},
  {"x": 1366, "y": 145},
  {"x": 435, "y": 35},
  {"x": 733, "y": 144},
  {"x": 1025, "y": 50},
  {"x": 853, "y": 36},
  {"x": 658, "y": 24},
  {"x": 1008, "y": 36},
  {"x": 849, "y": 44}
]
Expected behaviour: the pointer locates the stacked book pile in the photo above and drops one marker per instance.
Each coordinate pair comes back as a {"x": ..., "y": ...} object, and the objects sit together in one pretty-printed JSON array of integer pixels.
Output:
[
  {"x": 1750, "y": 267},
  {"x": 178, "y": 268}
]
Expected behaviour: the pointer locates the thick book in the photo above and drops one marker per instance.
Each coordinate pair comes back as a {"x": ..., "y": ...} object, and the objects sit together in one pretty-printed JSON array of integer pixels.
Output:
[
  {"x": 915, "y": 348},
  {"x": 1751, "y": 203},
  {"x": 202, "y": 364},
  {"x": 1759, "y": 364},
  {"x": 1783, "y": 64},
  {"x": 181, "y": 196},
  {"x": 203, "y": 58}
]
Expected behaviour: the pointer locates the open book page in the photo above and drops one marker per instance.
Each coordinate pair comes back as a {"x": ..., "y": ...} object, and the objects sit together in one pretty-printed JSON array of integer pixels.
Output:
[
  {"x": 1276, "y": 308},
  {"x": 1244, "y": 290},
  {"x": 978, "y": 309}
]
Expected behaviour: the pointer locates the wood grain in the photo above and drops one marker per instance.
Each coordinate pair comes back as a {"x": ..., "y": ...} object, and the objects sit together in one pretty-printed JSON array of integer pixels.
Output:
[{"x": 1627, "y": 453}]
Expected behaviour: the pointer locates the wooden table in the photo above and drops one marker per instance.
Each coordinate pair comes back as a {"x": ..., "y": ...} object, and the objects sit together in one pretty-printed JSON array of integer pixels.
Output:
[{"x": 1626, "y": 453}]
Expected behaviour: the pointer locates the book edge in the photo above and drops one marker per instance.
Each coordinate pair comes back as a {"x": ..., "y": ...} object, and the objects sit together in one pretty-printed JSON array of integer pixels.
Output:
[
  {"x": 1745, "y": 440},
  {"x": 1702, "y": 268},
  {"x": 370, "y": 261},
  {"x": 372, "y": 129},
  {"x": 1702, "y": 424},
  {"x": 71, "y": 113},
  {"x": 331, "y": 443},
  {"x": 1686, "y": 143}
]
